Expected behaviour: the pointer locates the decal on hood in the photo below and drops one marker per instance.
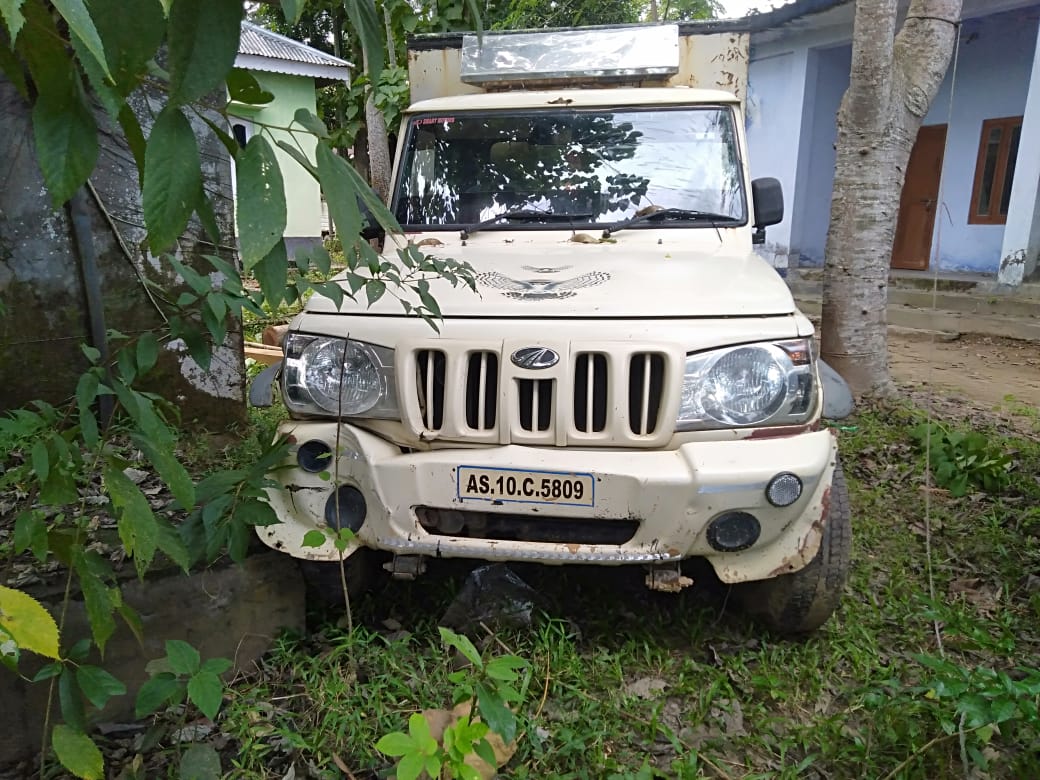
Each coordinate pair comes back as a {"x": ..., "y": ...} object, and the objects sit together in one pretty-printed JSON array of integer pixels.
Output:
[{"x": 541, "y": 289}]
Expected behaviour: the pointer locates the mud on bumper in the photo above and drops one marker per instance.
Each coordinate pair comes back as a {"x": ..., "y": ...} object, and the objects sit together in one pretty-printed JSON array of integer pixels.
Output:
[{"x": 650, "y": 507}]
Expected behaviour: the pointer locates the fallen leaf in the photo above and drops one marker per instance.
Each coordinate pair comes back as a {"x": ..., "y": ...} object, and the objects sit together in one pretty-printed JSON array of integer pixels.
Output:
[{"x": 646, "y": 687}]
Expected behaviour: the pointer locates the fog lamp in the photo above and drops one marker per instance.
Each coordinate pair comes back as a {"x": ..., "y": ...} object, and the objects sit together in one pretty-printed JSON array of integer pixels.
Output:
[
  {"x": 733, "y": 531},
  {"x": 346, "y": 508},
  {"x": 314, "y": 456},
  {"x": 784, "y": 489}
]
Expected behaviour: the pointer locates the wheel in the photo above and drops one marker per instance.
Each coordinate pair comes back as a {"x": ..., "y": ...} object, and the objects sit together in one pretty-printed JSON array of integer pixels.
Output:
[
  {"x": 323, "y": 578},
  {"x": 801, "y": 602}
]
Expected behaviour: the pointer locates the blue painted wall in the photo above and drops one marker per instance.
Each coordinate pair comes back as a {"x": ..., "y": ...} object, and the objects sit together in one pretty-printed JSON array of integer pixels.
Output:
[
  {"x": 796, "y": 85},
  {"x": 831, "y": 79},
  {"x": 991, "y": 81}
]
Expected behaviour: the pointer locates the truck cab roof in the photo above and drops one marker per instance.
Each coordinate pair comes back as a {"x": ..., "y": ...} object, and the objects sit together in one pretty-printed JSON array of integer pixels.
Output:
[{"x": 573, "y": 98}]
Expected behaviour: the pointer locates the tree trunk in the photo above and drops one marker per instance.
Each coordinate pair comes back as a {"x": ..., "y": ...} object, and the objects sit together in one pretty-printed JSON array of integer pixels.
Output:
[
  {"x": 378, "y": 145},
  {"x": 893, "y": 82}
]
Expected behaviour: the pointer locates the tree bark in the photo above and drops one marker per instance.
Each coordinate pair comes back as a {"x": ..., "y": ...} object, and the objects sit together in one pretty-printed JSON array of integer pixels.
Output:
[
  {"x": 378, "y": 145},
  {"x": 894, "y": 79}
]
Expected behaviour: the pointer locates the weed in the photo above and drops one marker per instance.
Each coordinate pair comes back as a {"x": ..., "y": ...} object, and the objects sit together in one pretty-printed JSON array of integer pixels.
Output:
[{"x": 963, "y": 460}]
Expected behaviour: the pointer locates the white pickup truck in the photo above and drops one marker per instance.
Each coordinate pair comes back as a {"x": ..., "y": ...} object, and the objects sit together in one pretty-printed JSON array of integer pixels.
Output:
[{"x": 632, "y": 384}]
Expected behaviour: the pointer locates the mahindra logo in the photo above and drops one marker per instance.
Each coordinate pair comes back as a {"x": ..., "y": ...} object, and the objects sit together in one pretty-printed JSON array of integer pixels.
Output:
[{"x": 535, "y": 357}]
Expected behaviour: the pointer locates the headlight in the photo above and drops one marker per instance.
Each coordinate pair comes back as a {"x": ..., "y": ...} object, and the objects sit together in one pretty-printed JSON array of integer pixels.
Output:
[
  {"x": 754, "y": 384},
  {"x": 339, "y": 377}
]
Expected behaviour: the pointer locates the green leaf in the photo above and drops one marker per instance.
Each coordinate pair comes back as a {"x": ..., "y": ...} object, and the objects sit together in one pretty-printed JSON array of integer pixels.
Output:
[
  {"x": 292, "y": 10},
  {"x": 48, "y": 671},
  {"x": 77, "y": 753},
  {"x": 260, "y": 207},
  {"x": 184, "y": 659},
  {"x": 86, "y": 393},
  {"x": 138, "y": 529},
  {"x": 243, "y": 87},
  {"x": 76, "y": 15},
  {"x": 59, "y": 489},
  {"x": 130, "y": 39},
  {"x": 40, "y": 460},
  {"x": 300, "y": 157},
  {"x": 12, "y": 13},
  {"x": 368, "y": 25},
  {"x": 340, "y": 193},
  {"x": 200, "y": 762},
  {"x": 171, "y": 544},
  {"x": 411, "y": 766},
  {"x": 30, "y": 533},
  {"x": 313, "y": 538},
  {"x": 70, "y": 701},
  {"x": 203, "y": 43},
  {"x": 170, "y": 469},
  {"x": 310, "y": 123},
  {"x": 156, "y": 692},
  {"x": 98, "y": 79},
  {"x": 463, "y": 645},
  {"x": 216, "y": 666},
  {"x": 206, "y": 691},
  {"x": 499, "y": 718},
  {"x": 374, "y": 290},
  {"x": 172, "y": 177},
  {"x": 504, "y": 668},
  {"x": 96, "y": 595},
  {"x": 395, "y": 743},
  {"x": 271, "y": 273},
  {"x": 28, "y": 622},
  {"x": 135, "y": 140},
  {"x": 66, "y": 139},
  {"x": 147, "y": 352},
  {"x": 98, "y": 685}
]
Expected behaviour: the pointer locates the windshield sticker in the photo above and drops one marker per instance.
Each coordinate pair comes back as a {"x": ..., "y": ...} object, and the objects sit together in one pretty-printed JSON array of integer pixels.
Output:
[
  {"x": 541, "y": 289},
  {"x": 435, "y": 120}
]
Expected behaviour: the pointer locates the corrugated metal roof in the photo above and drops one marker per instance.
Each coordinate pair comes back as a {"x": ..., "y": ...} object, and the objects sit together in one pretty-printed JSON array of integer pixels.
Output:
[{"x": 258, "y": 42}]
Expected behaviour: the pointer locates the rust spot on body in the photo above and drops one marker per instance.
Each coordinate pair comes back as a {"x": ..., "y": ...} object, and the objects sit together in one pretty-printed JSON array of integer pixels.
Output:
[{"x": 780, "y": 430}]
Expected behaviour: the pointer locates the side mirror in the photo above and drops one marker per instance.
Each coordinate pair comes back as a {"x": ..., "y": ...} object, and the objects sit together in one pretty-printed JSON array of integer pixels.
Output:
[
  {"x": 370, "y": 227},
  {"x": 767, "y": 196}
]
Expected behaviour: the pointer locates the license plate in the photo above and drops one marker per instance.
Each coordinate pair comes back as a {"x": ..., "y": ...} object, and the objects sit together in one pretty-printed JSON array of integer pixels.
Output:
[{"x": 529, "y": 487}]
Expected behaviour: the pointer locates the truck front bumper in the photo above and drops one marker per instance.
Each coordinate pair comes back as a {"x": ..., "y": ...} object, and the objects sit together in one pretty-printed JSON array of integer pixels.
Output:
[{"x": 668, "y": 497}]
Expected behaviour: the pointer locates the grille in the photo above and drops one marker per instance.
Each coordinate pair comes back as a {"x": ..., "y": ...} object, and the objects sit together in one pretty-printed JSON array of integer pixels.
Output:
[
  {"x": 482, "y": 391},
  {"x": 645, "y": 388},
  {"x": 536, "y": 404},
  {"x": 598, "y": 397},
  {"x": 526, "y": 528},
  {"x": 430, "y": 369}
]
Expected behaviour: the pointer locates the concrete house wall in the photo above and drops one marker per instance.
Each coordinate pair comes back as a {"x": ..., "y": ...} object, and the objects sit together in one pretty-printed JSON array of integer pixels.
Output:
[
  {"x": 302, "y": 193},
  {"x": 798, "y": 75}
]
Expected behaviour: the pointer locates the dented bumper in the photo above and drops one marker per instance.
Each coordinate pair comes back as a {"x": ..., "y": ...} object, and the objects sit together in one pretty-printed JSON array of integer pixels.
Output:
[{"x": 647, "y": 506}]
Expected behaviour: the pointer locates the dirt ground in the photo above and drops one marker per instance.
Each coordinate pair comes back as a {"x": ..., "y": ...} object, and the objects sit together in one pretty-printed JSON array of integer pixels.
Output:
[{"x": 982, "y": 370}]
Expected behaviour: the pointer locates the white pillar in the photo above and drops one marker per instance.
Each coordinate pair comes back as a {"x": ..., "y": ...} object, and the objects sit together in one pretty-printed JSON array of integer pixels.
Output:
[{"x": 1018, "y": 255}]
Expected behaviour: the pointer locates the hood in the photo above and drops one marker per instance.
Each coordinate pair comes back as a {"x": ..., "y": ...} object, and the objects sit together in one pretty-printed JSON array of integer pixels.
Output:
[{"x": 646, "y": 273}]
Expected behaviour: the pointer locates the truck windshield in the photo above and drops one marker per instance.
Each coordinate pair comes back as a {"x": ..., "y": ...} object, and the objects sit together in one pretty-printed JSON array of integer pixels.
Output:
[{"x": 587, "y": 167}]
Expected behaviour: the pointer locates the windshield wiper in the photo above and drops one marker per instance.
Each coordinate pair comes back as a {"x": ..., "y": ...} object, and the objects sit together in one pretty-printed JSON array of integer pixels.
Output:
[
  {"x": 521, "y": 215},
  {"x": 668, "y": 214}
]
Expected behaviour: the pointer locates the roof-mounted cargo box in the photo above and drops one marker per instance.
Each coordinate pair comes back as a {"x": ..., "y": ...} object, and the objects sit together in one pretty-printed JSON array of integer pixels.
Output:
[
  {"x": 615, "y": 55},
  {"x": 689, "y": 54}
]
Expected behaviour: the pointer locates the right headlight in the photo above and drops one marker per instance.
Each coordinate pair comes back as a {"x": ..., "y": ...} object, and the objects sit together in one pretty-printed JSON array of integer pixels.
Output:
[
  {"x": 749, "y": 385},
  {"x": 339, "y": 377}
]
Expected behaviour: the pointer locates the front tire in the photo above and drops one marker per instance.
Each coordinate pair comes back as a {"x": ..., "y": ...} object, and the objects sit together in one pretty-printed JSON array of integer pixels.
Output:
[{"x": 801, "y": 602}]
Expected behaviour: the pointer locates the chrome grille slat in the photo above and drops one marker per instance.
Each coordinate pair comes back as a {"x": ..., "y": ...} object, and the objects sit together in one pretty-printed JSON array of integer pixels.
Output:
[{"x": 604, "y": 394}]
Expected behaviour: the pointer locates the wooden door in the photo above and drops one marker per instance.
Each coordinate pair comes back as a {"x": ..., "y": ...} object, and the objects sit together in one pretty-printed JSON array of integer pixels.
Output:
[{"x": 920, "y": 199}]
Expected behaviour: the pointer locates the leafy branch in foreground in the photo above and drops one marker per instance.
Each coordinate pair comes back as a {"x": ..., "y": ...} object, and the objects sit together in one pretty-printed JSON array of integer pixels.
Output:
[{"x": 478, "y": 735}]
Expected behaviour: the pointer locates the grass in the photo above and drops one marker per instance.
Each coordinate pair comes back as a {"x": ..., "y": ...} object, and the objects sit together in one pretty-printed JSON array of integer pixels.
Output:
[
  {"x": 628, "y": 683},
  {"x": 929, "y": 666}
]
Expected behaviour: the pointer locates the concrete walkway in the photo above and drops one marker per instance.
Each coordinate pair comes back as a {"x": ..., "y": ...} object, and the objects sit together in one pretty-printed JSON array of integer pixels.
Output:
[{"x": 960, "y": 303}]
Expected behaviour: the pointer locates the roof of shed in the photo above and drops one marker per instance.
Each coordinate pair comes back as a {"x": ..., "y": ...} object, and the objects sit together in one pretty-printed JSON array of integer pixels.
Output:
[{"x": 261, "y": 49}]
